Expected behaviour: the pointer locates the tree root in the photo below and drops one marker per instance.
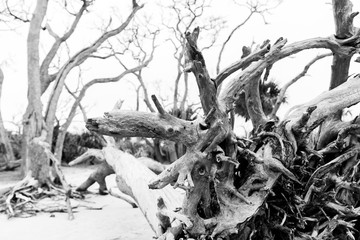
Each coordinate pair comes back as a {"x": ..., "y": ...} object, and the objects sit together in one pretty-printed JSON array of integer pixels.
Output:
[
  {"x": 118, "y": 194},
  {"x": 326, "y": 168},
  {"x": 180, "y": 170}
]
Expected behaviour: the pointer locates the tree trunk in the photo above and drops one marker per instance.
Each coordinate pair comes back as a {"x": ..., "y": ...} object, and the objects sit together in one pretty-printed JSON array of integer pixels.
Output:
[
  {"x": 137, "y": 188},
  {"x": 33, "y": 119},
  {"x": 132, "y": 178},
  {"x": 344, "y": 29}
]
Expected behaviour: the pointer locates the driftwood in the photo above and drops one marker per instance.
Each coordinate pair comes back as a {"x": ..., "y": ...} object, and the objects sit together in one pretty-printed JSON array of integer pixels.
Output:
[
  {"x": 37, "y": 178},
  {"x": 233, "y": 185},
  {"x": 117, "y": 193},
  {"x": 132, "y": 178}
]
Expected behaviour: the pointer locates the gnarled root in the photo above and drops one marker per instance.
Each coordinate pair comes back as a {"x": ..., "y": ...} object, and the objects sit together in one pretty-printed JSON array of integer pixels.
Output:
[{"x": 180, "y": 170}]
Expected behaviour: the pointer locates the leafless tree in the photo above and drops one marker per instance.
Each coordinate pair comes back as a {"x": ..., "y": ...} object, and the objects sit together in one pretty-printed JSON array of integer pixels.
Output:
[{"x": 44, "y": 77}]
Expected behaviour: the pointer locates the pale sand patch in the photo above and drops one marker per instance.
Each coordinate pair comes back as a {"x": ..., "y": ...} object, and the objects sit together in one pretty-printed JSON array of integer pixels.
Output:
[{"x": 117, "y": 220}]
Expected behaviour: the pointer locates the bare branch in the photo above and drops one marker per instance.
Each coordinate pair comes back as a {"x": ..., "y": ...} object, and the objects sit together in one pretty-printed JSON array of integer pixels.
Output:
[
  {"x": 81, "y": 95},
  {"x": 194, "y": 61},
  {"x": 278, "y": 51},
  {"x": 76, "y": 99},
  {"x": 75, "y": 61},
  {"x": 227, "y": 94},
  {"x": 158, "y": 105},
  {"x": 283, "y": 90},
  {"x": 15, "y": 16},
  {"x": 242, "y": 63},
  {"x": 228, "y": 39},
  {"x": 44, "y": 68},
  {"x": 141, "y": 60}
]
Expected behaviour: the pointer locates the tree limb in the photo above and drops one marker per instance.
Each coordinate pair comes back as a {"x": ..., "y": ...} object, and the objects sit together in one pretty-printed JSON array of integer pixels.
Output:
[
  {"x": 227, "y": 94},
  {"x": 283, "y": 90},
  {"x": 74, "y": 61},
  {"x": 242, "y": 63},
  {"x": 345, "y": 95},
  {"x": 142, "y": 124},
  {"x": 194, "y": 62},
  {"x": 343, "y": 18}
]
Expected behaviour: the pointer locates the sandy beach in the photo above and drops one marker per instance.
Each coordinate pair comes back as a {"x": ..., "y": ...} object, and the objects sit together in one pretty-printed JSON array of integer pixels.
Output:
[{"x": 117, "y": 219}]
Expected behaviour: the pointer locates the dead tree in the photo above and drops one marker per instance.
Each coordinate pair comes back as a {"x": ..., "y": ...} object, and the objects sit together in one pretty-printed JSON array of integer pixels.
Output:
[
  {"x": 40, "y": 78},
  {"x": 297, "y": 178},
  {"x": 39, "y": 163}
]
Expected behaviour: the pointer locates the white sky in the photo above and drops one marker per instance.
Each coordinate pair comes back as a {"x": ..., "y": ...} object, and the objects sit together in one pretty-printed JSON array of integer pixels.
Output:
[{"x": 295, "y": 20}]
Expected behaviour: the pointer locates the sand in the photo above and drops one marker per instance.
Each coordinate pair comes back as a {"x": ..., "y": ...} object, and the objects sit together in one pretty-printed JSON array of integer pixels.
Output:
[{"x": 117, "y": 219}]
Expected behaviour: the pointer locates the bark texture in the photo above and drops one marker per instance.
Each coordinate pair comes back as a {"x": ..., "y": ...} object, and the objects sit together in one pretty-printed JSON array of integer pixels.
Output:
[{"x": 33, "y": 120}]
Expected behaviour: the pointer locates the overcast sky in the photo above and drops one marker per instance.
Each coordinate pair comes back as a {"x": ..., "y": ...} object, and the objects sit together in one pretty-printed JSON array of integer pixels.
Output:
[{"x": 293, "y": 19}]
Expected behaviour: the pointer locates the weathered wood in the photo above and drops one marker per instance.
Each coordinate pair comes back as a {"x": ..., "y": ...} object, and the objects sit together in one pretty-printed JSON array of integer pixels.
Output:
[
  {"x": 86, "y": 155},
  {"x": 98, "y": 154},
  {"x": 32, "y": 119},
  {"x": 343, "y": 18},
  {"x": 218, "y": 201},
  {"x": 153, "y": 165},
  {"x": 38, "y": 160},
  {"x": 345, "y": 95},
  {"x": 242, "y": 63},
  {"x": 142, "y": 124},
  {"x": 193, "y": 171},
  {"x": 118, "y": 194},
  {"x": 65, "y": 185},
  {"x": 228, "y": 92},
  {"x": 195, "y": 63},
  {"x": 99, "y": 175},
  {"x": 253, "y": 103},
  {"x": 132, "y": 178}
]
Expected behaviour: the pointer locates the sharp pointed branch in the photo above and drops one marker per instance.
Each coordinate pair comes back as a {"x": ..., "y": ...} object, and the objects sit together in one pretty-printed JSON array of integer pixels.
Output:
[{"x": 158, "y": 105}]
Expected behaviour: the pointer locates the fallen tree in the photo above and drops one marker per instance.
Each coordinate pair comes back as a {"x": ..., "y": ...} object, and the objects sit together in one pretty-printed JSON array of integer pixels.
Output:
[{"x": 297, "y": 178}]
